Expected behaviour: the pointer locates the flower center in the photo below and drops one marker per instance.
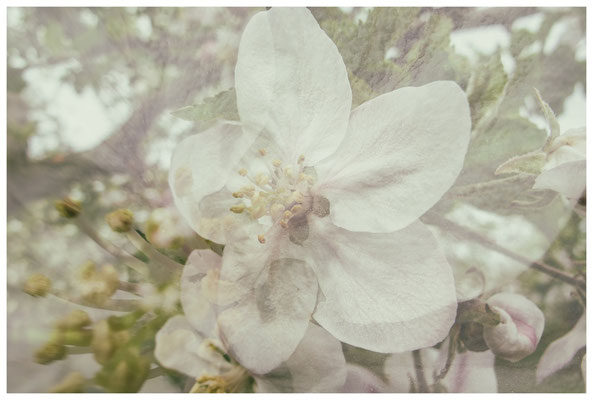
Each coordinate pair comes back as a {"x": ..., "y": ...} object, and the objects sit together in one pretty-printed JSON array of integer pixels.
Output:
[{"x": 283, "y": 194}]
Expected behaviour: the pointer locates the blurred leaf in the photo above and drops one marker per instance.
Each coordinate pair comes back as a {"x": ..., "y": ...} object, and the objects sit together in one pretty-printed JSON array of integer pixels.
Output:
[
  {"x": 221, "y": 106},
  {"x": 486, "y": 86}
]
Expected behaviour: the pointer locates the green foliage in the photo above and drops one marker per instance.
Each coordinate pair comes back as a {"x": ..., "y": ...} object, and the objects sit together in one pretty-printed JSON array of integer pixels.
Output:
[{"x": 222, "y": 106}]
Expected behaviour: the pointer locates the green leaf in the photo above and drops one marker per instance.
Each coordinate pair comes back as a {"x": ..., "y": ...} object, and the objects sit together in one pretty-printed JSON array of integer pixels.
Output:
[
  {"x": 549, "y": 114},
  {"x": 221, "y": 106},
  {"x": 530, "y": 163}
]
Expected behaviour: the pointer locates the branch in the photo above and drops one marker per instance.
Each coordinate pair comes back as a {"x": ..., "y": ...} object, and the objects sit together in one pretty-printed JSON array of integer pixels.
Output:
[{"x": 465, "y": 233}]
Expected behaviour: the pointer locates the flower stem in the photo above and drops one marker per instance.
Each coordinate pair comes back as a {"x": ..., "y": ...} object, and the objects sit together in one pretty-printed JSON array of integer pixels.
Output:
[
  {"x": 129, "y": 287},
  {"x": 110, "y": 304},
  {"x": 152, "y": 253},
  {"x": 422, "y": 385},
  {"x": 115, "y": 251},
  {"x": 79, "y": 350},
  {"x": 451, "y": 352},
  {"x": 465, "y": 233}
]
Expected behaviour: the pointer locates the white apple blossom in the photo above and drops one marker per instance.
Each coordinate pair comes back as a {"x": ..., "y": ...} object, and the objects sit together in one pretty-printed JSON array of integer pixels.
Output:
[
  {"x": 318, "y": 205},
  {"x": 520, "y": 328},
  {"x": 192, "y": 345}
]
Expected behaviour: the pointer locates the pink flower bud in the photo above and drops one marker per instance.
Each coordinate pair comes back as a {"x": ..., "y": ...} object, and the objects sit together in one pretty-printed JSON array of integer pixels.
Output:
[{"x": 520, "y": 328}]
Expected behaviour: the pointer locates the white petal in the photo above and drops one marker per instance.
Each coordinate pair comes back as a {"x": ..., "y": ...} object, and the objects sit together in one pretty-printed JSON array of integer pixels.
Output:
[
  {"x": 470, "y": 285},
  {"x": 567, "y": 179},
  {"x": 472, "y": 372},
  {"x": 317, "y": 365},
  {"x": 200, "y": 167},
  {"x": 196, "y": 305},
  {"x": 520, "y": 329},
  {"x": 561, "y": 351},
  {"x": 401, "y": 373},
  {"x": 177, "y": 347},
  {"x": 402, "y": 152},
  {"x": 292, "y": 84},
  {"x": 263, "y": 329},
  {"x": 361, "y": 380},
  {"x": 389, "y": 292}
]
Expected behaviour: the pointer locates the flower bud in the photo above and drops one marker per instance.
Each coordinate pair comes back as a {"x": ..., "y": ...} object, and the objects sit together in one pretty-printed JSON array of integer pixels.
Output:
[
  {"x": 97, "y": 285},
  {"x": 68, "y": 208},
  {"x": 120, "y": 220},
  {"x": 126, "y": 373},
  {"x": 75, "y": 320},
  {"x": 72, "y": 383},
  {"x": 50, "y": 352},
  {"x": 520, "y": 328},
  {"x": 105, "y": 341},
  {"x": 38, "y": 285}
]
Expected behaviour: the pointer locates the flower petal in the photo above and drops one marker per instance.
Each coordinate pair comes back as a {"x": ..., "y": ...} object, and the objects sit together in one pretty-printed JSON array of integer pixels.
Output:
[
  {"x": 196, "y": 302},
  {"x": 317, "y": 365},
  {"x": 472, "y": 372},
  {"x": 561, "y": 351},
  {"x": 388, "y": 292},
  {"x": 177, "y": 347},
  {"x": 292, "y": 84},
  {"x": 520, "y": 328},
  {"x": 567, "y": 179},
  {"x": 361, "y": 380},
  {"x": 200, "y": 167},
  {"x": 402, "y": 152},
  {"x": 264, "y": 328}
]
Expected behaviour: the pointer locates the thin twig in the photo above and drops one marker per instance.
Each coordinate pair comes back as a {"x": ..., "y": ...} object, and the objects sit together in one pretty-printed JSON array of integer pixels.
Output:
[{"x": 477, "y": 237}]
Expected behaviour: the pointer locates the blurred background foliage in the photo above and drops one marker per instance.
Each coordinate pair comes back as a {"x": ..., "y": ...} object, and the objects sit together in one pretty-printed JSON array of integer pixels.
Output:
[{"x": 98, "y": 98}]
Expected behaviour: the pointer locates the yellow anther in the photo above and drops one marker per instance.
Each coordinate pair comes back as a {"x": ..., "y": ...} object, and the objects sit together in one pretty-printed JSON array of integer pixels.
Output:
[
  {"x": 263, "y": 152},
  {"x": 238, "y": 209},
  {"x": 296, "y": 208},
  {"x": 238, "y": 195},
  {"x": 277, "y": 163},
  {"x": 261, "y": 239},
  {"x": 301, "y": 159},
  {"x": 284, "y": 223},
  {"x": 248, "y": 191},
  {"x": 287, "y": 214},
  {"x": 242, "y": 172}
]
